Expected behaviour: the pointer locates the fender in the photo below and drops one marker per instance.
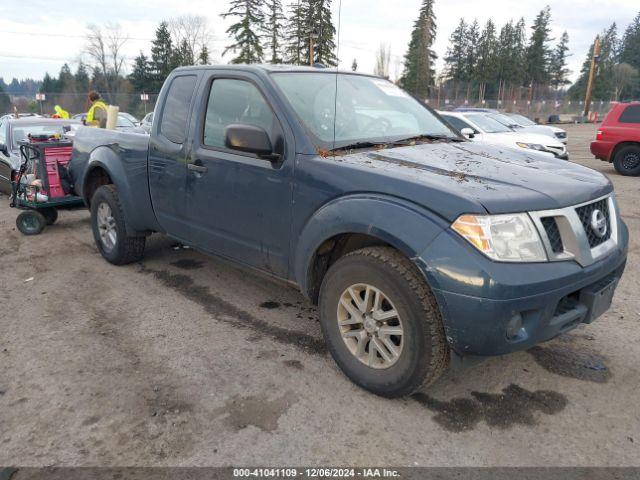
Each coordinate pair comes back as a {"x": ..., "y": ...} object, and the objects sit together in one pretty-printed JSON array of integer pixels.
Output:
[
  {"x": 128, "y": 172},
  {"x": 402, "y": 224}
]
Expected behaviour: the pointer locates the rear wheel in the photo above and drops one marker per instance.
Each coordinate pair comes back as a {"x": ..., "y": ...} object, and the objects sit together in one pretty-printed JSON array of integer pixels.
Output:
[
  {"x": 50, "y": 214},
  {"x": 109, "y": 228},
  {"x": 31, "y": 222},
  {"x": 627, "y": 160},
  {"x": 381, "y": 322}
]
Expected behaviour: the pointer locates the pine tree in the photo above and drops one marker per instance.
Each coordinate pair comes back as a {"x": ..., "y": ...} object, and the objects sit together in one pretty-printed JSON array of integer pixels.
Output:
[
  {"x": 558, "y": 70},
  {"x": 274, "y": 27},
  {"x": 485, "y": 72},
  {"x": 454, "y": 59},
  {"x": 472, "y": 40},
  {"x": 82, "y": 78},
  {"x": 140, "y": 77},
  {"x": 203, "y": 57},
  {"x": 419, "y": 72},
  {"x": 162, "y": 56},
  {"x": 183, "y": 55},
  {"x": 630, "y": 48},
  {"x": 321, "y": 24},
  {"x": 538, "y": 52},
  {"x": 5, "y": 102},
  {"x": 246, "y": 31},
  {"x": 296, "y": 34}
]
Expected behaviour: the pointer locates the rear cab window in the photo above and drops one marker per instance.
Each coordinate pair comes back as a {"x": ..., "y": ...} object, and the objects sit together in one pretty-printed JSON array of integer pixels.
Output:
[
  {"x": 175, "y": 114},
  {"x": 631, "y": 114}
]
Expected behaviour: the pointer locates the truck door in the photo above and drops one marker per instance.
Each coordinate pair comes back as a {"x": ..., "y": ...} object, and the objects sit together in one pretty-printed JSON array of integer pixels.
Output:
[
  {"x": 239, "y": 205},
  {"x": 167, "y": 155}
]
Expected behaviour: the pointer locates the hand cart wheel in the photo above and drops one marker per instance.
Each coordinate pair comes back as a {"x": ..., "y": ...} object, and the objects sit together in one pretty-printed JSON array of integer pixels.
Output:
[{"x": 31, "y": 222}]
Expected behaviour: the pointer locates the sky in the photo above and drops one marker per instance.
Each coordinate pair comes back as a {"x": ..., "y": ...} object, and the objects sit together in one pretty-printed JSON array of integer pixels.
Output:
[{"x": 36, "y": 38}]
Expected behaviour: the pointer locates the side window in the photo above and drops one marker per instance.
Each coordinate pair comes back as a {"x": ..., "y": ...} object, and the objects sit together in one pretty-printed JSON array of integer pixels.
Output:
[
  {"x": 173, "y": 124},
  {"x": 631, "y": 114},
  {"x": 458, "y": 123},
  {"x": 236, "y": 101}
]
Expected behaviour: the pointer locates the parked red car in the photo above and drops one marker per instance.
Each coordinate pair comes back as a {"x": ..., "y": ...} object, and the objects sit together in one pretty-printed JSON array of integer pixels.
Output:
[{"x": 618, "y": 139}]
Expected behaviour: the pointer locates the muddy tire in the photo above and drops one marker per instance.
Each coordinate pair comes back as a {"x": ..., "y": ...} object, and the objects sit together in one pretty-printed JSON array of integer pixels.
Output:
[
  {"x": 109, "y": 228},
  {"x": 627, "y": 161},
  {"x": 50, "y": 214},
  {"x": 31, "y": 222},
  {"x": 381, "y": 322}
]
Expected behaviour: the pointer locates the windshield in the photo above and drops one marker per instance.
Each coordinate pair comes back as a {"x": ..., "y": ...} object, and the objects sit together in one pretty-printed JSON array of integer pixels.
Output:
[
  {"x": 21, "y": 132},
  {"x": 505, "y": 120},
  {"x": 366, "y": 109},
  {"x": 522, "y": 120},
  {"x": 487, "y": 124}
]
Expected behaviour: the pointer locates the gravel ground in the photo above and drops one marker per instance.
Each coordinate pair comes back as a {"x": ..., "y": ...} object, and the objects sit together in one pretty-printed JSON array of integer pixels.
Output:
[{"x": 185, "y": 360}]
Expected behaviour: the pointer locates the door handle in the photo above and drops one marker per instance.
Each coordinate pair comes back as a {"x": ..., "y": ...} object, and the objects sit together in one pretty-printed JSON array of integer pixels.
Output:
[{"x": 197, "y": 168}]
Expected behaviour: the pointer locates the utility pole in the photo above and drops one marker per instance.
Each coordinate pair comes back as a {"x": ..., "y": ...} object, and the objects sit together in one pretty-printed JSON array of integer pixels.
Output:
[
  {"x": 312, "y": 37},
  {"x": 592, "y": 73}
]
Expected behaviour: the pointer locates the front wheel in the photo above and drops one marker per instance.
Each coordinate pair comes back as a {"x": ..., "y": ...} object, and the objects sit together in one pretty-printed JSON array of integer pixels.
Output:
[
  {"x": 31, "y": 222},
  {"x": 109, "y": 228},
  {"x": 627, "y": 161},
  {"x": 381, "y": 322}
]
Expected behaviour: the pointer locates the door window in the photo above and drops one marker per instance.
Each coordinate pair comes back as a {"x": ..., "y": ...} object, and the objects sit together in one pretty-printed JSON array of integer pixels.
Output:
[
  {"x": 173, "y": 124},
  {"x": 458, "y": 123},
  {"x": 233, "y": 101}
]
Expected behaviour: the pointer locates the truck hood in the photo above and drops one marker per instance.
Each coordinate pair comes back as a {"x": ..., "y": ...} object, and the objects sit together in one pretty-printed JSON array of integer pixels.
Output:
[{"x": 468, "y": 177}]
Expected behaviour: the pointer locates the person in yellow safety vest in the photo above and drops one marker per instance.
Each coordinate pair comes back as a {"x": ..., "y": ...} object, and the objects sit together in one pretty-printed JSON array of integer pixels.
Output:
[
  {"x": 60, "y": 112},
  {"x": 97, "y": 114}
]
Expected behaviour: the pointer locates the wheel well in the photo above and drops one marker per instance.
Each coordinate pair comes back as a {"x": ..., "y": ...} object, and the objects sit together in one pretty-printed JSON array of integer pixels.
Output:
[
  {"x": 330, "y": 251},
  {"x": 96, "y": 178},
  {"x": 619, "y": 146}
]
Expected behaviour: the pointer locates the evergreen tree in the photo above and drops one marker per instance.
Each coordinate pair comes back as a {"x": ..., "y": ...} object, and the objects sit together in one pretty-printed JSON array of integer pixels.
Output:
[
  {"x": 630, "y": 48},
  {"x": 321, "y": 24},
  {"x": 246, "y": 31},
  {"x": 183, "y": 55},
  {"x": 296, "y": 42},
  {"x": 538, "y": 52},
  {"x": 5, "y": 102},
  {"x": 485, "y": 72},
  {"x": 455, "y": 57},
  {"x": 203, "y": 57},
  {"x": 141, "y": 77},
  {"x": 274, "y": 27},
  {"x": 419, "y": 72},
  {"x": 162, "y": 56},
  {"x": 558, "y": 70},
  {"x": 82, "y": 78},
  {"x": 472, "y": 40}
]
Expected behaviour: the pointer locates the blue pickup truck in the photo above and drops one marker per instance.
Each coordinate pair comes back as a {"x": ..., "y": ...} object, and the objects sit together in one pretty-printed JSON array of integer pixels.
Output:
[{"x": 419, "y": 247}]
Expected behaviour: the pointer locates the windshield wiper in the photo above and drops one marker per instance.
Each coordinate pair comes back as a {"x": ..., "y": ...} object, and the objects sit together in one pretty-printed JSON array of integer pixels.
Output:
[
  {"x": 357, "y": 145},
  {"x": 428, "y": 136}
]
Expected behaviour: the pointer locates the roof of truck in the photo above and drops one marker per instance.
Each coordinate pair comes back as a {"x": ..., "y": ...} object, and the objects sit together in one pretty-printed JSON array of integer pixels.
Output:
[{"x": 270, "y": 68}]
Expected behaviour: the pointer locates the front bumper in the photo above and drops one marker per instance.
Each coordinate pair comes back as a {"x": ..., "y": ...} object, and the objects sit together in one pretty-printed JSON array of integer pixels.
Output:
[{"x": 479, "y": 298}]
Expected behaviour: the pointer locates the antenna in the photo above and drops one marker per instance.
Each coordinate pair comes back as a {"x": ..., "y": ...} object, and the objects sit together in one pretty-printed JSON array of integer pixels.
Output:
[{"x": 335, "y": 101}]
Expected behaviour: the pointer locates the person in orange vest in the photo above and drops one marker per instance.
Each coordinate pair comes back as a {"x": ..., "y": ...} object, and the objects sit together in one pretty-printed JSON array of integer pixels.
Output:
[{"x": 97, "y": 114}]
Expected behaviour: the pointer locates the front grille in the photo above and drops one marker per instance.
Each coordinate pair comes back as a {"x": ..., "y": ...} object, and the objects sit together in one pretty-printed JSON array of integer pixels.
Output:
[
  {"x": 585, "y": 212},
  {"x": 553, "y": 233}
]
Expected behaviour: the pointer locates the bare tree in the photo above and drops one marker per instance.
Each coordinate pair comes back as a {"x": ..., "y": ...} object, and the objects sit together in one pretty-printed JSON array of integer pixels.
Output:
[
  {"x": 383, "y": 58},
  {"x": 193, "y": 31},
  {"x": 624, "y": 75},
  {"x": 104, "y": 49}
]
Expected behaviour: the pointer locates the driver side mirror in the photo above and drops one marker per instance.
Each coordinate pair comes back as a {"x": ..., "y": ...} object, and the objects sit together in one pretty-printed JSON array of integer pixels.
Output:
[
  {"x": 468, "y": 132},
  {"x": 250, "y": 139},
  {"x": 4, "y": 149}
]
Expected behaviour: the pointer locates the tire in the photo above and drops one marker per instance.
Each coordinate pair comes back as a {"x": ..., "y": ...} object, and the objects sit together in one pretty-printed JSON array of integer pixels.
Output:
[
  {"x": 31, "y": 222},
  {"x": 422, "y": 352},
  {"x": 109, "y": 228},
  {"x": 627, "y": 161},
  {"x": 50, "y": 215}
]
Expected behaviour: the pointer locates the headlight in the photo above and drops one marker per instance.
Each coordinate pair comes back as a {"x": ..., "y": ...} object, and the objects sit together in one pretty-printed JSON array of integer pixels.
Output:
[
  {"x": 532, "y": 146},
  {"x": 505, "y": 238}
]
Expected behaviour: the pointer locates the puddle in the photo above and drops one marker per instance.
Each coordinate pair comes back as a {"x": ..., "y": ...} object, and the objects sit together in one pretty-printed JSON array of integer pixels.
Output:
[
  {"x": 573, "y": 361},
  {"x": 514, "y": 406},
  {"x": 241, "y": 412}
]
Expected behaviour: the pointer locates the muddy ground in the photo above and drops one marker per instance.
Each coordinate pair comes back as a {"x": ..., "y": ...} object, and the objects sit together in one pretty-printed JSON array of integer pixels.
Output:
[{"x": 187, "y": 360}]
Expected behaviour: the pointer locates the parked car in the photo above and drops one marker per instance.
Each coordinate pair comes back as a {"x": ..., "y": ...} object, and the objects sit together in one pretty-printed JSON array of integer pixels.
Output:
[
  {"x": 13, "y": 130},
  {"x": 533, "y": 127},
  {"x": 124, "y": 124},
  {"x": 147, "y": 122},
  {"x": 418, "y": 244},
  {"x": 482, "y": 127},
  {"x": 618, "y": 139},
  {"x": 131, "y": 118}
]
